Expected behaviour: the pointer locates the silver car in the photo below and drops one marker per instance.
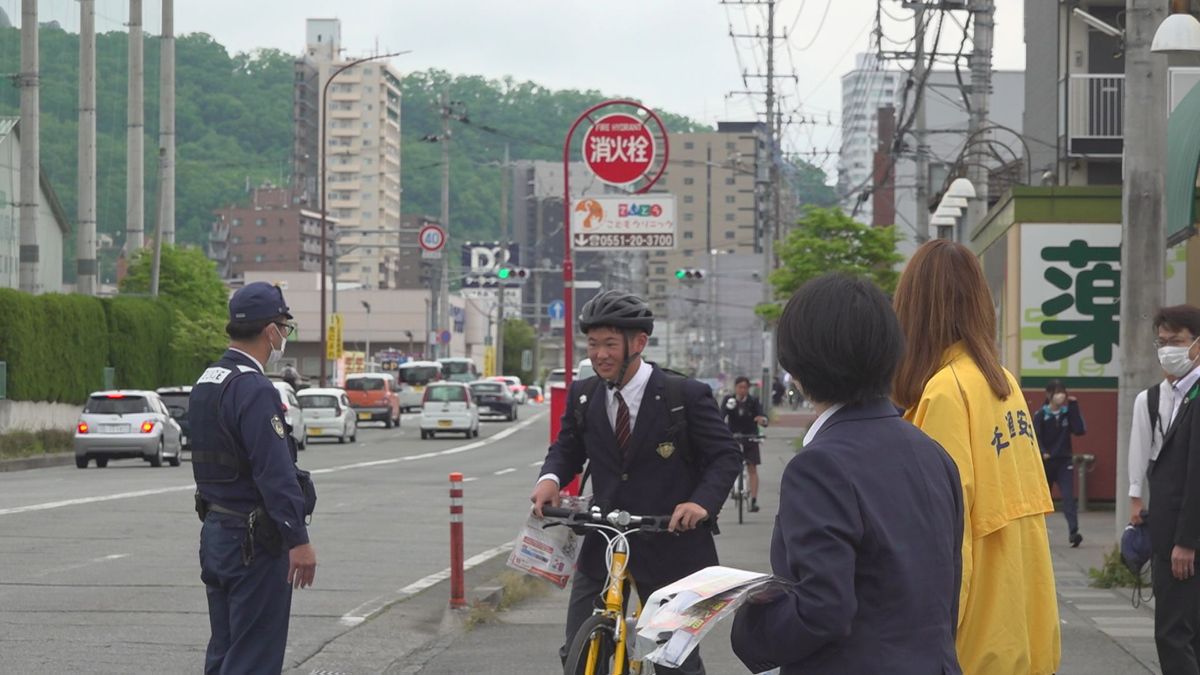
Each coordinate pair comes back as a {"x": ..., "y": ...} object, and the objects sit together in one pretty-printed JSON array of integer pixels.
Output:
[{"x": 127, "y": 424}]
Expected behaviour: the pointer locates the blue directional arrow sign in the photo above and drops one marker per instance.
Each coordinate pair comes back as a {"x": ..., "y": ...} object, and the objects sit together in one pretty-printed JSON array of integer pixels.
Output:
[{"x": 557, "y": 310}]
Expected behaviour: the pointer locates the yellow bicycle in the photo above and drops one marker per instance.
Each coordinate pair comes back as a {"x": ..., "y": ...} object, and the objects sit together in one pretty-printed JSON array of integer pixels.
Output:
[{"x": 602, "y": 645}]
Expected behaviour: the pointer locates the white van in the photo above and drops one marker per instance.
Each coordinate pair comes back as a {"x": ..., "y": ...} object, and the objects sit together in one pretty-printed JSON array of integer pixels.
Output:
[
  {"x": 449, "y": 406},
  {"x": 414, "y": 376}
]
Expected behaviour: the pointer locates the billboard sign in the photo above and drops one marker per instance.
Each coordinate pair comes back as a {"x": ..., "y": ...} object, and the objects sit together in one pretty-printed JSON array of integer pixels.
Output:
[{"x": 621, "y": 223}]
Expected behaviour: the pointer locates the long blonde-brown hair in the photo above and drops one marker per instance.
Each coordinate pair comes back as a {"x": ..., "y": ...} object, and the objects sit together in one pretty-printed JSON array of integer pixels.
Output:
[{"x": 942, "y": 299}]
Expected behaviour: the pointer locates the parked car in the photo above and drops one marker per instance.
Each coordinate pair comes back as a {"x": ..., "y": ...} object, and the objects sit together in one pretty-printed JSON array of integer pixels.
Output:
[
  {"x": 329, "y": 414},
  {"x": 494, "y": 400},
  {"x": 449, "y": 406},
  {"x": 177, "y": 399},
  {"x": 414, "y": 376},
  {"x": 127, "y": 424},
  {"x": 535, "y": 393},
  {"x": 514, "y": 385},
  {"x": 374, "y": 398},
  {"x": 293, "y": 414},
  {"x": 558, "y": 376},
  {"x": 585, "y": 370}
]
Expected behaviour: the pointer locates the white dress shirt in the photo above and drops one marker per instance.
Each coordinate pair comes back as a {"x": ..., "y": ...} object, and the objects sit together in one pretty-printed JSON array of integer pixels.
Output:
[
  {"x": 252, "y": 359},
  {"x": 1144, "y": 442},
  {"x": 632, "y": 392},
  {"x": 1181, "y": 388},
  {"x": 821, "y": 420}
]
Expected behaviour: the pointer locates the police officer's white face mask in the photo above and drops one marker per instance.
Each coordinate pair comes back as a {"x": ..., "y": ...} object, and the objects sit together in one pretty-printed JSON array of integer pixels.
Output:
[{"x": 276, "y": 354}]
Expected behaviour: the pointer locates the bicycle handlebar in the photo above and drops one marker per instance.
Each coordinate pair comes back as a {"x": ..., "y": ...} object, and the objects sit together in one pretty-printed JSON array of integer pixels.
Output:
[{"x": 619, "y": 519}]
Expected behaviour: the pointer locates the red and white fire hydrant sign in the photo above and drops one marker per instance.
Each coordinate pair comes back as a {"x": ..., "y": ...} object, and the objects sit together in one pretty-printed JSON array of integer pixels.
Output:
[{"x": 619, "y": 149}]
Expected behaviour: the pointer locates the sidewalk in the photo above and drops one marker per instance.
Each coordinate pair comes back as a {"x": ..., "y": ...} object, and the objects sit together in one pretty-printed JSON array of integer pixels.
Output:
[{"x": 1102, "y": 633}]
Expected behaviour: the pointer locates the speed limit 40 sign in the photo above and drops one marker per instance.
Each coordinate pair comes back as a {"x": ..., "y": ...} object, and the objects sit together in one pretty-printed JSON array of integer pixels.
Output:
[{"x": 432, "y": 239}]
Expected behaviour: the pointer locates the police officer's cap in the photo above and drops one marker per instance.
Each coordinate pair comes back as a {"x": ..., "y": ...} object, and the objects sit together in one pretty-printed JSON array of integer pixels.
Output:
[{"x": 256, "y": 302}]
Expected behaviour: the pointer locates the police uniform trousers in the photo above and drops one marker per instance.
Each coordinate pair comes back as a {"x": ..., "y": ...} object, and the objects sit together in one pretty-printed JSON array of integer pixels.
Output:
[
  {"x": 248, "y": 605},
  {"x": 587, "y": 594}
]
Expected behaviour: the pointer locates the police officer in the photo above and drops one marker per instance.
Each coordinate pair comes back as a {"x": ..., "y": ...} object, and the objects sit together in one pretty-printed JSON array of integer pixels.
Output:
[
  {"x": 254, "y": 546},
  {"x": 648, "y": 454}
]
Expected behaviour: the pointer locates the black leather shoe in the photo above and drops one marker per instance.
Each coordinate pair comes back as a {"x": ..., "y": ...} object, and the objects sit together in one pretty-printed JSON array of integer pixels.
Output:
[
  {"x": 754, "y": 506},
  {"x": 1075, "y": 539}
]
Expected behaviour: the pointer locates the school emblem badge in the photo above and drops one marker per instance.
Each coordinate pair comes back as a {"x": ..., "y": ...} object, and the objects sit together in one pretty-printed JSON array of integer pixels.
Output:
[
  {"x": 277, "y": 425},
  {"x": 665, "y": 450}
]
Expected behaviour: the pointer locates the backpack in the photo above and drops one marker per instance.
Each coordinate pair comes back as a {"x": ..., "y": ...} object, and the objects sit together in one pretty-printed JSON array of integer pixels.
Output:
[
  {"x": 1152, "y": 396},
  {"x": 676, "y": 409}
]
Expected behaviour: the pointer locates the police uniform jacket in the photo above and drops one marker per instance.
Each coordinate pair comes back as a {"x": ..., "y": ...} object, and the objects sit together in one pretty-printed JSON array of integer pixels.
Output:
[
  {"x": 246, "y": 442},
  {"x": 869, "y": 533},
  {"x": 654, "y": 477},
  {"x": 1008, "y": 606}
]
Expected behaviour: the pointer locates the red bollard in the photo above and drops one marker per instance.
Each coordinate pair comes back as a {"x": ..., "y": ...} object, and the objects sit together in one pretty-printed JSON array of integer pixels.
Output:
[
  {"x": 458, "y": 595},
  {"x": 558, "y": 408}
]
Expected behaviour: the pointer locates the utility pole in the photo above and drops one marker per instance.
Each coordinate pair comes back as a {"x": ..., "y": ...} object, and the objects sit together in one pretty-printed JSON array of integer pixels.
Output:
[
  {"x": 1143, "y": 241},
  {"x": 166, "y": 124},
  {"x": 505, "y": 186},
  {"x": 31, "y": 161},
  {"x": 443, "y": 294},
  {"x": 981, "y": 85},
  {"x": 135, "y": 169},
  {"x": 920, "y": 134},
  {"x": 85, "y": 244}
]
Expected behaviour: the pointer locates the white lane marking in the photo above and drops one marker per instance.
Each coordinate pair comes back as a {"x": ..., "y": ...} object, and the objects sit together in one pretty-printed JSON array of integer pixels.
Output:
[
  {"x": 471, "y": 479},
  {"x": 46, "y": 506},
  {"x": 93, "y": 561},
  {"x": 536, "y": 464},
  {"x": 375, "y": 605},
  {"x": 501, "y": 472}
]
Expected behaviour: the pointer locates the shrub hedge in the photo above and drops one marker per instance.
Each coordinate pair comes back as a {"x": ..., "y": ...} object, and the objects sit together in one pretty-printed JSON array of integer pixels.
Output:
[{"x": 57, "y": 346}]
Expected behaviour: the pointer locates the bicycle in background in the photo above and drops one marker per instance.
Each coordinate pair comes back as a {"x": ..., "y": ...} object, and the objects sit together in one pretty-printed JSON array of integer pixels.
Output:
[{"x": 741, "y": 489}]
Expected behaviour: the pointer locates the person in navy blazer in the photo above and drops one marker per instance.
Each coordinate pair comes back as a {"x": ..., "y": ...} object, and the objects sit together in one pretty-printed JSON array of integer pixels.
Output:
[
  {"x": 652, "y": 475},
  {"x": 869, "y": 531}
]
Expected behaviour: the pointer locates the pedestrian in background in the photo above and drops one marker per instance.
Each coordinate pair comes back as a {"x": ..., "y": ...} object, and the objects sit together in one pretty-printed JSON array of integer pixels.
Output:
[
  {"x": 952, "y": 386},
  {"x": 1175, "y": 486},
  {"x": 1055, "y": 423},
  {"x": 870, "y": 513},
  {"x": 254, "y": 546}
]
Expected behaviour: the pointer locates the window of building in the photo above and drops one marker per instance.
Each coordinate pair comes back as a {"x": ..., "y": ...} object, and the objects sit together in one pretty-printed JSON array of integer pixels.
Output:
[
  {"x": 688, "y": 145},
  {"x": 237, "y": 222},
  {"x": 367, "y": 70},
  {"x": 730, "y": 234},
  {"x": 730, "y": 181},
  {"x": 661, "y": 288},
  {"x": 660, "y": 254},
  {"x": 729, "y": 217},
  {"x": 281, "y": 223},
  {"x": 237, "y": 258},
  {"x": 730, "y": 199},
  {"x": 260, "y": 240},
  {"x": 660, "y": 270},
  {"x": 259, "y": 258},
  {"x": 689, "y": 217},
  {"x": 689, "y": 181},
  {"x": 366, "y": 215},
  {"x": 687, "y": 253},
  {"x": 259, "y": 222},
  {"x": 235, "y": 240},
  {"x": 688, "y": 235},
  {"x": 688, "y": 199}
]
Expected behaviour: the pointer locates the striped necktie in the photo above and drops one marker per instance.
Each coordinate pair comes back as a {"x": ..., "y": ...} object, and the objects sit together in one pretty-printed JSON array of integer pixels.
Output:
[{"x": 622, "y": 428}]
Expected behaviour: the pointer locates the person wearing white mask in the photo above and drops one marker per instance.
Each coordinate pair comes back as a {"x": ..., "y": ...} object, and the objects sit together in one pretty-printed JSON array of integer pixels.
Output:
[
  {"x": 1054, "y": 424},
  {"x": 1174, "y": 477}
]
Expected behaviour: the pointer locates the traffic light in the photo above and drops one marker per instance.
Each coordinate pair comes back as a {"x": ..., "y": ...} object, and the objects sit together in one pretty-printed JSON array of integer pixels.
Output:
[
  {"x": 689, "y": 274},
  {"x": 512, "y": 275}
]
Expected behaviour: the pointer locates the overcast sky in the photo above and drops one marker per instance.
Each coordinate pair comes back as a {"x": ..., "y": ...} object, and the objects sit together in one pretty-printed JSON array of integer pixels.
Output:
[{"x": 675, "y": 55}]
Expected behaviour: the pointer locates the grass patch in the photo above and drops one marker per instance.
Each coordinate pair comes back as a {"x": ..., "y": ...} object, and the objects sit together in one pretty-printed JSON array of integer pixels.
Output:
[
  {"x": 18, "y": 444},
  {"x": 517, "y": 587},
  {"x": 1114, "y": 573}
]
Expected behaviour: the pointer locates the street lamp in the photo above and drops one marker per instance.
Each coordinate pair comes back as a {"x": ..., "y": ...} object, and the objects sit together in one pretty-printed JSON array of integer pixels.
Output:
[
  {"x": 961, "y": 187},
  {"x": 1179, "y": 33},
  {"x": 324, "y": 211},
  {"x": 367, "y": 306}
]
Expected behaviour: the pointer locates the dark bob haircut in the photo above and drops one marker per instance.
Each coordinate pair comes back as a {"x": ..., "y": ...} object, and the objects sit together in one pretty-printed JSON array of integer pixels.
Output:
[
  {"x": 741, "y": 379},
  {"x": 1178, "y": 318},
  {"x": 840, "y": 339}
]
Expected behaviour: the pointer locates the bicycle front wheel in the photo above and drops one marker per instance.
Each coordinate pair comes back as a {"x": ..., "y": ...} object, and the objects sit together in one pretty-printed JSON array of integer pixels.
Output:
[{"x": 594, "y": 647}]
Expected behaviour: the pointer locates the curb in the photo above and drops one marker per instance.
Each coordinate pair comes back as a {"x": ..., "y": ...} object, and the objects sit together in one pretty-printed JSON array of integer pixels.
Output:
[{"x": 37, "y": 462}]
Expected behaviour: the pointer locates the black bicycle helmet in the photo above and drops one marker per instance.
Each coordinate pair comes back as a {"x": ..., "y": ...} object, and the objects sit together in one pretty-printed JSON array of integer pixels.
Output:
[{"x": 618, "y": 309}]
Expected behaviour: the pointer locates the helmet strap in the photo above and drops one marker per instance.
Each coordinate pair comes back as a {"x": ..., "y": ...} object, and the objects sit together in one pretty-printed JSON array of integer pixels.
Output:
[{"x": 619, "y": 382}]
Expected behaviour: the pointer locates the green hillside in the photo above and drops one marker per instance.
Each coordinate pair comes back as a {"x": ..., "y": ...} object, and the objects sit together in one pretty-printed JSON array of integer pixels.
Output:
[{"x": 233, "y": 123}]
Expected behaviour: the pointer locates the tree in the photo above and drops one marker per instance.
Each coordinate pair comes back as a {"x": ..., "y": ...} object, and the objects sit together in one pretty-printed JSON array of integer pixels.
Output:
[
  {"x": 191, "y": 288},
  {"x": 828, "y": 240},
  {"x": 518, "y": 336}
]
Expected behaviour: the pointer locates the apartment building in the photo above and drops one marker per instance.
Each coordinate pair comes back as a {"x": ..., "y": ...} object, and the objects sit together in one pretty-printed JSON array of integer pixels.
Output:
[
  {"x": 274, "y": 232},
  {"x": 870, "y": 86},
  {"x": 361, "y": 153}
]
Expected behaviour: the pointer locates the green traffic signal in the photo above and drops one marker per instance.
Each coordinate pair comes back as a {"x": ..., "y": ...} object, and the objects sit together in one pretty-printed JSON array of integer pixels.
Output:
[
  {"x": 503, "y": 272},
  {"x": 680, "y": 274}
]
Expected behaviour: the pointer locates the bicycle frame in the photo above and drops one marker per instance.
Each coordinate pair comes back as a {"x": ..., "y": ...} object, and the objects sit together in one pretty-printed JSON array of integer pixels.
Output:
[{"x": 614, "y": 607}]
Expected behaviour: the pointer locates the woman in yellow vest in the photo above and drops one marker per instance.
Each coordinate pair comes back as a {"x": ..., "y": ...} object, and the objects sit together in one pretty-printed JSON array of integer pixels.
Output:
[{"x": 953, "y": 387}]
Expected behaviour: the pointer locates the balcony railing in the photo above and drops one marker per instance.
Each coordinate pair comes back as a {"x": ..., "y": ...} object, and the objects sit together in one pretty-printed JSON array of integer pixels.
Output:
[{"x": 1096, "y": 115}]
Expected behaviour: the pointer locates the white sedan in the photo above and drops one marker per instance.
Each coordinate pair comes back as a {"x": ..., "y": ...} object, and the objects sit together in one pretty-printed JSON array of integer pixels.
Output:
[{"x": 328, "y": 414}]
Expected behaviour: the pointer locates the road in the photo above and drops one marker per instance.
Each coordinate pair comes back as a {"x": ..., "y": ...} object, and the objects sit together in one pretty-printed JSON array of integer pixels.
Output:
[{"x": 99, "y": 570}]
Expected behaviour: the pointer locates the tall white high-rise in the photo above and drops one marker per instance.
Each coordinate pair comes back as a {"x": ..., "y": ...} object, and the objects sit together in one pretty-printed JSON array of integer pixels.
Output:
[
  {"x": 864, "y": 90},
  {"x": 362, "y": 147}
]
